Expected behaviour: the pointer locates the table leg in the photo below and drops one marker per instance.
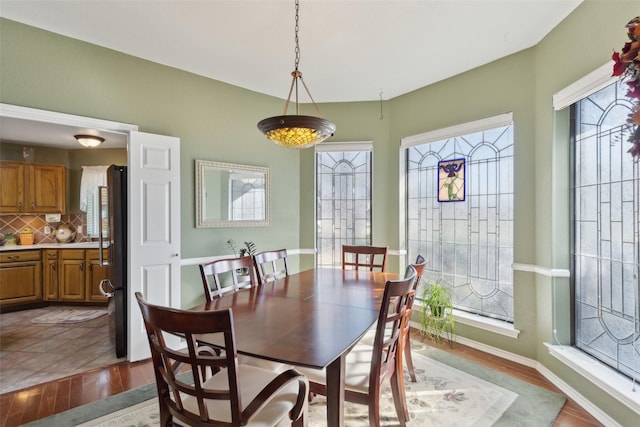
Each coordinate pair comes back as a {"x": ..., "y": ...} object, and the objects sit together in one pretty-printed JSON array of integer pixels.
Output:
[{"x": 335, "y": 392}]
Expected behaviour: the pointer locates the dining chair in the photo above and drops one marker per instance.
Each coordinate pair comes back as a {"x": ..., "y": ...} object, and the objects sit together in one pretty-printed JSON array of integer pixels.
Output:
[
  {"x": 240, "y": 270},
  {"x": 234, "y": 394},
  {"x": 271, "y": 265},
  {"x": 212, "y": 282},
  {"x": 367, "y": 368},
  {"x": 369, "y": 257},
  {"x": 419, "y": 266}
]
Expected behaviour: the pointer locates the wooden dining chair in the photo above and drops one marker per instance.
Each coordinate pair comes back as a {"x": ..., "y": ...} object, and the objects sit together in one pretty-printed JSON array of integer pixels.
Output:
[
  {"x": 419, "y": 266},
  {"x": 212, "y": 282},
  {"x": 367, "y": 368},
  {"x": 235, "y": 395},
  {"x": 271, "y": 265},
  {"x": 240, "y": 270},
  {"x": 369, "y": 257}
]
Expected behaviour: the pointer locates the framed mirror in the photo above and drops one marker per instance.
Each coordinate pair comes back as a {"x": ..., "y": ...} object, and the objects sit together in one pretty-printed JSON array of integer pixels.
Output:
[{"x": 230, "y": 195}]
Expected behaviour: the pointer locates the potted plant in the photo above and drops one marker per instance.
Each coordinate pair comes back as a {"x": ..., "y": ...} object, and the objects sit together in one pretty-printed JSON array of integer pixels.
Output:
[
  {"x": 10, "y": 239},
  {"x": 436, "y": 313}
]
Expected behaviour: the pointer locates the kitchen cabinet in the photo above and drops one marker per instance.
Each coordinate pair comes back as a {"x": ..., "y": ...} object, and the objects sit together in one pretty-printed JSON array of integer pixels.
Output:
[
  {"x": 50, "y": 275},
  {"x": 32, "y": 188},
  {"x": 20, "y": 277},
  {"x": 95, "y": 274},
  {"x": 80, "y": 275},
  {"x": 72, "y": 275}
]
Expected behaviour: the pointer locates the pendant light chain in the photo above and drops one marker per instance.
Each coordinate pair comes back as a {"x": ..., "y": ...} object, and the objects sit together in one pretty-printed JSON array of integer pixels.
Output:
[
  {"x": 297, "y": 28},
  {"x": 296, "y": 131}
]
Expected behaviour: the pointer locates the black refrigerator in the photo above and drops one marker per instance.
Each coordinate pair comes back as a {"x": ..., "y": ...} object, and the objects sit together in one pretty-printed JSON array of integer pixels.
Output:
[{"x": 113, "y": 236}]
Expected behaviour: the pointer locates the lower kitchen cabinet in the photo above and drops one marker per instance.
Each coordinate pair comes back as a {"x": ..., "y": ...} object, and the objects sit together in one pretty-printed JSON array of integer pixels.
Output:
[
  {"x": 72, "y": 275},
  {"x": 95, "y": 274},
  {"x": 80, "y": 275},
  {"x": 51, "y": 275},
  {"x": 20, "y": 277}
]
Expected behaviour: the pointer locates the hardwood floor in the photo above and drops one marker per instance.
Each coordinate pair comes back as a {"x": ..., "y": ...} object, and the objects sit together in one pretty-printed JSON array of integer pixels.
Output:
[{"x": 22, "y": 406}]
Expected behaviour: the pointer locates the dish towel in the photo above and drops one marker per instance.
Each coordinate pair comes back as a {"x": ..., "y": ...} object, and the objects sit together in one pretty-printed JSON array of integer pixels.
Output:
[{"x": 92, "y": 178}]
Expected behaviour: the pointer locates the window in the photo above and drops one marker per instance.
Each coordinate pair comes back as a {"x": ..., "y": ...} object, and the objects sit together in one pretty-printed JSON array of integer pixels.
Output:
[
  {"x": 606, "y": 205},
  {"x": 247, "y": 194},
  {"x": 468, "y": 243},
  {"x": 343, "y": 199}
]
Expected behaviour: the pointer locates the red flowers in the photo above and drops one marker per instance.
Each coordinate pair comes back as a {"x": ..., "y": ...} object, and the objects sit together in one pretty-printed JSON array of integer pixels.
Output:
[{"x": 627, "y": 63}]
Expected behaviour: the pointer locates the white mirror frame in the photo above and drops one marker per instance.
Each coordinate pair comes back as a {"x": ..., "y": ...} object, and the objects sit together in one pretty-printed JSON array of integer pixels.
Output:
[{"x": 202, "y": 221}]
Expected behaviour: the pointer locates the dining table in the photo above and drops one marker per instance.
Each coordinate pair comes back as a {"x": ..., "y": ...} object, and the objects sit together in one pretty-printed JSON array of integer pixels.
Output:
[{"x": 311, "y": 319}]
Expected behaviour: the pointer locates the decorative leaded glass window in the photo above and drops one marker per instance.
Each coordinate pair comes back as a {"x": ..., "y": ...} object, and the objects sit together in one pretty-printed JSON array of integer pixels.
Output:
[
  {"x": 247, "y": 197},
  {"x": 467, "y": 239},
  {"x": 606, "y": 205},
  {"x": 343, "y": 200}
]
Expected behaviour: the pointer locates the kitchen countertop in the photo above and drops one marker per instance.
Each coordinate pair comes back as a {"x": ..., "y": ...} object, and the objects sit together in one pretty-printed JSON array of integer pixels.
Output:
[{"x": 73, "y": 245}]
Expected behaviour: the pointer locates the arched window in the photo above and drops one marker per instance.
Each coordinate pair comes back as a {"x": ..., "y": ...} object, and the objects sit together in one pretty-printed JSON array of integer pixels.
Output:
[
  {"x": 606, "y": 226},
  {"x": 468, "y": 240},
  {"x": 343, "y": 199}
]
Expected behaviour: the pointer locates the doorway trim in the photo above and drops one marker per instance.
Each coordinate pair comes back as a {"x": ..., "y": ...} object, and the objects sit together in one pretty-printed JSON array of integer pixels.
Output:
[{"x": 28, "y": 113}]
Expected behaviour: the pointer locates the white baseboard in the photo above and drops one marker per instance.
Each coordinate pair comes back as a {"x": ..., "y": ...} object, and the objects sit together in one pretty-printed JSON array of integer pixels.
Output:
[{"x": 586, "y": 404}]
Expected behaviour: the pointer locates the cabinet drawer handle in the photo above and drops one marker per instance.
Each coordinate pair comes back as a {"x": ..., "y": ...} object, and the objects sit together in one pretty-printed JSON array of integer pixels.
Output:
[
  {"x": 13, "y": 257},
  {"x": 54, "y": 266},
  {"x": 20, "y": 205},
  {"x": 82, "y": 266},
  {"x": 33, "y": 205},
  {"x": 90, "y": 267}
]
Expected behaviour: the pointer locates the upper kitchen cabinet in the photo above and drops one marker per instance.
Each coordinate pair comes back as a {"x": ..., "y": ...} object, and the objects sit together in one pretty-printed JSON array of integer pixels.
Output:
[{"x": 30, "y": 188}]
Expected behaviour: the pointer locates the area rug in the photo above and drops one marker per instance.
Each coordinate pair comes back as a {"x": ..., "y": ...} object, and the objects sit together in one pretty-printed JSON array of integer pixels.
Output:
[
  {"x": 68, "y": 316},
  {"x": 450, "y": 392}
]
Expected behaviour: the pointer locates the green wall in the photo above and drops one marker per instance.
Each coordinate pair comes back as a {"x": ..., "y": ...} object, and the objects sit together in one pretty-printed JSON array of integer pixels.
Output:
[{"x": 216, "y": 121}]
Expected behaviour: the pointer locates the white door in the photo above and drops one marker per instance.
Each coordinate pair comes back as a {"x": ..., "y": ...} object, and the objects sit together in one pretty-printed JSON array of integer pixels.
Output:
[{"x": 154, "y": 230}]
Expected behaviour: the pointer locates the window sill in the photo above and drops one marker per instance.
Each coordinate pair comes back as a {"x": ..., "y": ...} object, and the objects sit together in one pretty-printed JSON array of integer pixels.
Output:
[
  {"x": 496, "y": 326},
  {"x": 486, "y": 323},
  {"x": 617, "y": 385}
]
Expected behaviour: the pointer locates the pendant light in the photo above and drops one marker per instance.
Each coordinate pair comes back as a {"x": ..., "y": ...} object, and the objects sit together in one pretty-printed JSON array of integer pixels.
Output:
[{"x": 296, "y": 131}]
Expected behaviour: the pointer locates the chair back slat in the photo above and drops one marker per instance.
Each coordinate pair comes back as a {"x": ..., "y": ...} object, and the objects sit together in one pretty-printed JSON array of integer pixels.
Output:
[
  {"x": 240, "y": 271},
  {"x": 271, "y": 265},
  {"x": 372, "y": 258},
  {"x": 169, "y": 363},
  {"x": 202, "y": 386},
  {"x": 388, "y": 341}
]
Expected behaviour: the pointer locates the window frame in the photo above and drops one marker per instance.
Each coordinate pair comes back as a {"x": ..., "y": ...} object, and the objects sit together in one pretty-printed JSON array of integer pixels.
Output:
[
  {"x": 348, "y": 146},
  {"x": 493, "y": 122}
]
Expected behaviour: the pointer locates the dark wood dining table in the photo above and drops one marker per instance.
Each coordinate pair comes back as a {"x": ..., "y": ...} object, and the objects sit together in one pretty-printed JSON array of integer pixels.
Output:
[{"x": 312, "y": 319}]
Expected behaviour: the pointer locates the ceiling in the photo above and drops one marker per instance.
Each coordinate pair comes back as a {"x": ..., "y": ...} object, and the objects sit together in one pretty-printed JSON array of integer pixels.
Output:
[
  {"x": 47, "y": 134},
  {"x": 351, "y": 50}
]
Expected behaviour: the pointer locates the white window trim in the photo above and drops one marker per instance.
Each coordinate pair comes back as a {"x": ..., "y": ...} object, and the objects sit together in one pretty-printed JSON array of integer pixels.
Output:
[
  {"x": 482, "y": 322},
  {"x": 589, "y": 84},
  {"x": 604, "y": 377},
  {"x": 488, "y": 324},
  {"x": 613, "y": 383},
  {"x": 457, "y": 130},
  {"x": 344, "y": 146}
]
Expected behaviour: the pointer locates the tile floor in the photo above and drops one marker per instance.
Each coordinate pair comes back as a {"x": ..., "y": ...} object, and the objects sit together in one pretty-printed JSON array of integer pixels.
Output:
[{"x": 32, "y": 353}]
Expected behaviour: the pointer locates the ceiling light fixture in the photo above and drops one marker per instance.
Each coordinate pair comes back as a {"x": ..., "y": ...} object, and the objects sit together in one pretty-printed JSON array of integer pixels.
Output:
[
  {"x": 89, "y": 140},
  {"x": 296, "y": 131}
]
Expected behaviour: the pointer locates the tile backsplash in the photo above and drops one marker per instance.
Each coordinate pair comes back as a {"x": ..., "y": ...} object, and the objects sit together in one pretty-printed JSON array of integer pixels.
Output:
[{"x": 37, "y": 223}]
